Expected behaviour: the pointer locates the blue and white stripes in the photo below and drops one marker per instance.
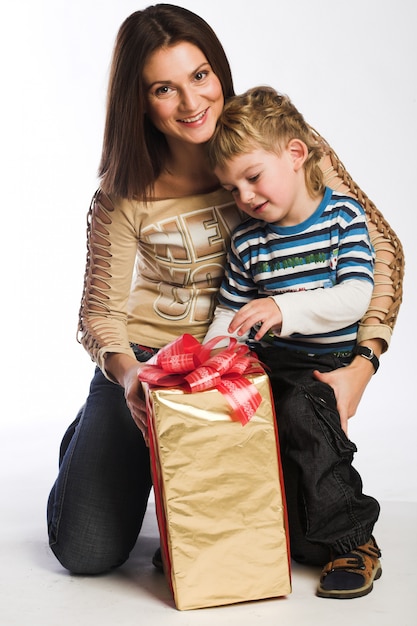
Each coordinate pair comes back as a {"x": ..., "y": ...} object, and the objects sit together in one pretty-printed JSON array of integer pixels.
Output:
[{"x": 330, "y": 247}]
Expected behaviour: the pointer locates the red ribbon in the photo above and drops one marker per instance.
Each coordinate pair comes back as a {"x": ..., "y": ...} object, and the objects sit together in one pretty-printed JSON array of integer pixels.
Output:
[{"x": 187, "y": 364}]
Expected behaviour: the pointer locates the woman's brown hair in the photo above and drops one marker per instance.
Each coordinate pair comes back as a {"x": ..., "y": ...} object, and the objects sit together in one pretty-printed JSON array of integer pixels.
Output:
[{"x": 134, "y": 151}]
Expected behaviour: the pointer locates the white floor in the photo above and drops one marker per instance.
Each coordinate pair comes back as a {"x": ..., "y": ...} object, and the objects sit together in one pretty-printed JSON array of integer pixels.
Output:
[{"x": 35, "y": 591}]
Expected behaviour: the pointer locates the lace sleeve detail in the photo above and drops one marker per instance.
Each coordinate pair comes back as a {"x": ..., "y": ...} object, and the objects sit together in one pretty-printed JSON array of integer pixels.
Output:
[
  {"x": 381, "y": 316},
  {"x": 100, "y": 329}
]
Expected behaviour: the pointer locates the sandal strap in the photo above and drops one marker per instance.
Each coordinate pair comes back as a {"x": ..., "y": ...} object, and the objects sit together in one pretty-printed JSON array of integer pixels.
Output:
[
  {"x": 354, "y": 564},
  {"x": 369, "y": 549},
  {"x": 356, "y": 561}
]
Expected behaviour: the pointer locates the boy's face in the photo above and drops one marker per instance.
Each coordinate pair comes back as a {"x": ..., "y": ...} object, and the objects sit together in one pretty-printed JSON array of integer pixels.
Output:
[{"x": 266, "y": 185}]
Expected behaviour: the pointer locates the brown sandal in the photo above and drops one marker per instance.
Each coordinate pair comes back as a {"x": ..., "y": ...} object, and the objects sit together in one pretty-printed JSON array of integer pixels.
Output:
[{"x": 351, "y": 575}]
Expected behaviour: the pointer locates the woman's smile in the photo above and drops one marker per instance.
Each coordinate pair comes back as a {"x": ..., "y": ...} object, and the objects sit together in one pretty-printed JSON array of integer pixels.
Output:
[{"x": 196, "y": 119}]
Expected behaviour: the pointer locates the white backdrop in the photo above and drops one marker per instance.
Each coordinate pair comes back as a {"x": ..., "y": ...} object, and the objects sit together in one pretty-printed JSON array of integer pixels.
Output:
[{"x": 349, "y": 67}]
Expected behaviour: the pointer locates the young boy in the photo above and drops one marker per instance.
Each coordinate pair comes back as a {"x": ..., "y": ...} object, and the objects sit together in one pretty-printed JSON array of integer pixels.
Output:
[{"x": 298, "y": 279}]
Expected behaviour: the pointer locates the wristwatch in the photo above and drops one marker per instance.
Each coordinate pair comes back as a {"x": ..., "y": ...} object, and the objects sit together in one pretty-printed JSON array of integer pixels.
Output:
[{"x": 369, "y": 354}]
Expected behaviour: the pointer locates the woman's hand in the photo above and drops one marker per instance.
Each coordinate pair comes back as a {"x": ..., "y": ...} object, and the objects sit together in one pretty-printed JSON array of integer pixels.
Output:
[
  {"x": 349, "y": 383},
  {"x": 262, "y": 311},
  {"x": 124, "y": 369},
  {"x": 135, "y": 400}
]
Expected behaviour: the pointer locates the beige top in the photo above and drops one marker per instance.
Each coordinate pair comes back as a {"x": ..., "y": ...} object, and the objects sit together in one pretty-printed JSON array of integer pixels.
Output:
[{"x": 153, "y": 271}]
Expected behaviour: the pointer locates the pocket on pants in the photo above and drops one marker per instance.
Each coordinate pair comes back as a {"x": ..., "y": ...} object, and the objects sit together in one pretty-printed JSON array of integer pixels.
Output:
[{"x": 322, "y": 400}]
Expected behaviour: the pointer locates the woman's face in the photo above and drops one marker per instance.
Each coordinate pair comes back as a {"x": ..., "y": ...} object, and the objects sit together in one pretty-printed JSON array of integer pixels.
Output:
[{"x": 184, "y": 96}]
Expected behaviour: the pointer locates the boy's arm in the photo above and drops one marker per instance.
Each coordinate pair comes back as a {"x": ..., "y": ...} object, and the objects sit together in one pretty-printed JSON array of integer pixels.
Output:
[
  {"x": 220, "y": 325},
  {"x": 323, "y": 310},
  {"x": 306, "y": 312}
]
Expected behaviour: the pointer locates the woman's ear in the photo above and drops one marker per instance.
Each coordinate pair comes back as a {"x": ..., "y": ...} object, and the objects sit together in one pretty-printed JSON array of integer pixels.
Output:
[{"x": 298, "y": 152}]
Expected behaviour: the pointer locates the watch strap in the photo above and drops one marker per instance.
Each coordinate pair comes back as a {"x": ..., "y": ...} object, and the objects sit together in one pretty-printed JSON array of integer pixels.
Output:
[{"x": 367, "y": 353}]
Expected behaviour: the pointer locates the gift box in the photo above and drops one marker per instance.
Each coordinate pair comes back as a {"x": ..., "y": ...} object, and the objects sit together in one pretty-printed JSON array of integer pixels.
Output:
[{"x": 217, "y": 480}]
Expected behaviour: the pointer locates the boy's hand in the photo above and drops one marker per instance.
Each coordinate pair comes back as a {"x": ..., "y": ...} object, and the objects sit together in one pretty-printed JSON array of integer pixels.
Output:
[{"x": 263, "y": 311}]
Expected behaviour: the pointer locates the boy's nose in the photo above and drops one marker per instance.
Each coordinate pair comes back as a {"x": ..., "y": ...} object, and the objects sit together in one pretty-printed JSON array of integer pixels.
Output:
[{"x": 248, "y": 196}]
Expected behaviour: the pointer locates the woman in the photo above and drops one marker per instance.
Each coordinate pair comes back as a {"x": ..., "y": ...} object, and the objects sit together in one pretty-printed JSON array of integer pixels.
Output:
[{"x": 158, "y": 232}]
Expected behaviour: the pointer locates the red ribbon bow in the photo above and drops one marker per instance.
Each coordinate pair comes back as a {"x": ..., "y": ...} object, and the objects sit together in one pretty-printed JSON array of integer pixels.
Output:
[{"x": 187, "y": 364}]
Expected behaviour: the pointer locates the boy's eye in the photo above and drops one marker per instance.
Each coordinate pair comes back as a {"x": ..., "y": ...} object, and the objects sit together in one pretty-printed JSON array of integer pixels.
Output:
[
  {"x": 233, "y": 190},
  {"x": 253, "y": 179},
  {"x": 230, "y": 188}
]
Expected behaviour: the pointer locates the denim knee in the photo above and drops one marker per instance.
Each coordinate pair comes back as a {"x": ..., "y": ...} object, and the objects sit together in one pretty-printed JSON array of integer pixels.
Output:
[
  {"x": 97, "y": 504},
  {"x": 78, "y": 555}
]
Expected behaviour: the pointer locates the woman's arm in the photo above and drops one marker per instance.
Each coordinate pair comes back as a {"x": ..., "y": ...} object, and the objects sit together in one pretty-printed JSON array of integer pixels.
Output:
[
  {"x": 102, "y": 328},
  {"x": 349, "y": 383},
  {"x": 124, "y": 369},
  {"x": 111, "y": 253},
  {"x": 380, "y": 319}
]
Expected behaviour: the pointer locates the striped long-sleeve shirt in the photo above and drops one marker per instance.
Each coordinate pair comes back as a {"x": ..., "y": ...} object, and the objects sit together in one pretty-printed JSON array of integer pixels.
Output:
[{"x": 330, "y": 248}]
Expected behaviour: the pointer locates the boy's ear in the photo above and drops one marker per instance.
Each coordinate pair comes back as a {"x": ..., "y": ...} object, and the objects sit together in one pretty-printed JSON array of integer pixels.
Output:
[{"x": 298, "y": 152}]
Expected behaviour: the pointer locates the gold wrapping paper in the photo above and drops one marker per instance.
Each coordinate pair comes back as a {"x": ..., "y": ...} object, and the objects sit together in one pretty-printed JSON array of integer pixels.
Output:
[{"x": 220, "y": 498}]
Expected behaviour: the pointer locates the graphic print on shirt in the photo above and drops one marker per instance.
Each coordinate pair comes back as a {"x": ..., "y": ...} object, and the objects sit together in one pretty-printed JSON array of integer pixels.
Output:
[
  {"x": 186, "y": 254},
  {"x": 331, "y": 282}
]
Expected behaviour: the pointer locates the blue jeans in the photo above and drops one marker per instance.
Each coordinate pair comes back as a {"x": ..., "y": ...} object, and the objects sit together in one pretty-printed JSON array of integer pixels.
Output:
[
  {"x": 98, "y": 502},
  {"x": 328, "y": 511}
]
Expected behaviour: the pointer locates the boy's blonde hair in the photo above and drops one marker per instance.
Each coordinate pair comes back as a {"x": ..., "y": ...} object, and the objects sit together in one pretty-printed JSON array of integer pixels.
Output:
[{"x": 263, "y": 118}]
